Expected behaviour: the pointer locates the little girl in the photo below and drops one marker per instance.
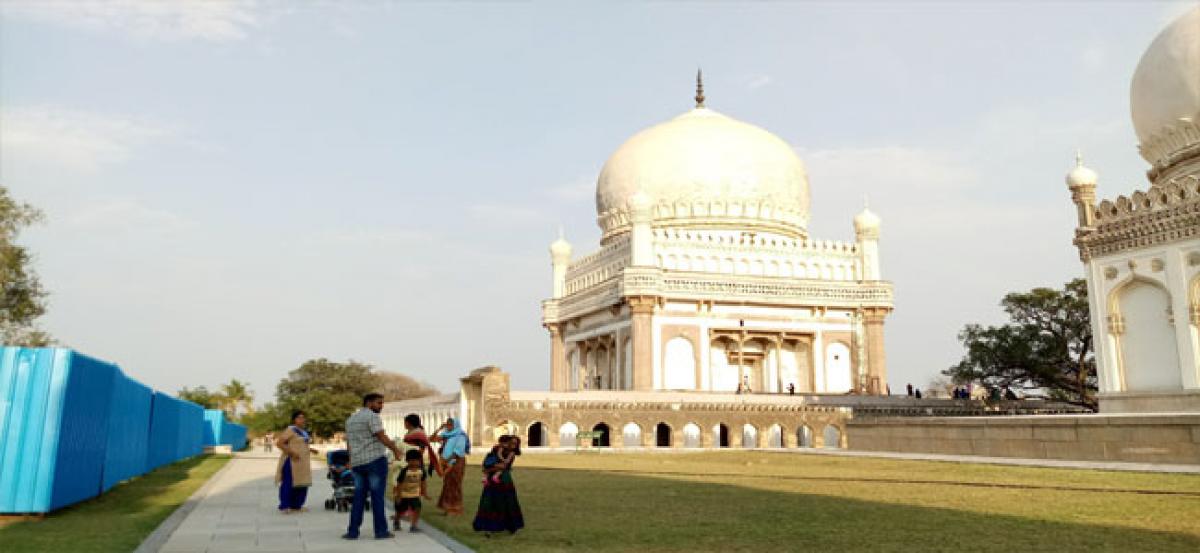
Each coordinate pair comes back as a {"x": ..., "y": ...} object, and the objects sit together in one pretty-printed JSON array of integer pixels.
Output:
[{"x": 505, "y": 460}]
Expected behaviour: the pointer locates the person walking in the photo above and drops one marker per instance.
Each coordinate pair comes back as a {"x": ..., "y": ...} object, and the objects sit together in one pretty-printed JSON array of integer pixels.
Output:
[
  {"x": 369, "y": 445},
  {"x": 293, "y": 472},
  {"x": 455, "y": 447}
]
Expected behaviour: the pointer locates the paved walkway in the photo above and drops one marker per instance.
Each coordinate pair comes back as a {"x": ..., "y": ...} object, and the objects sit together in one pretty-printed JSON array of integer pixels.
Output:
[{"x": 238, "y": 514}]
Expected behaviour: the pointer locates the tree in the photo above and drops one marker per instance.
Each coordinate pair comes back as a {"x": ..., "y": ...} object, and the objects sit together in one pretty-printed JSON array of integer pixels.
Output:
[
  {"x": 1046, "y": 347},
  {"x": 396, "y": 386},
  {"x": 270, "y": 418},
  {"x": 200, "y": 396},
  {"x": 236, "y": 398},
  {"x": 22, "y": 299},
  {"x": 327, "y": 392}
]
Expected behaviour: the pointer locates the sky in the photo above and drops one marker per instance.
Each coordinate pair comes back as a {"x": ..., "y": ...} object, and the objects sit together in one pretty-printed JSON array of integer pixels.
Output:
[{"x": 232, "y": 188}]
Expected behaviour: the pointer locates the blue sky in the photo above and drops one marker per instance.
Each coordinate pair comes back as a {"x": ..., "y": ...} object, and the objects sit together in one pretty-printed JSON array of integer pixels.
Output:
[{"x": 233, "y": 188}]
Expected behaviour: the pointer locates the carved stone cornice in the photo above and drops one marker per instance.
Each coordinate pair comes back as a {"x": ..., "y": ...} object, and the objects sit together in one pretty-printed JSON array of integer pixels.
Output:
[{"x": 1164, "y": 213}]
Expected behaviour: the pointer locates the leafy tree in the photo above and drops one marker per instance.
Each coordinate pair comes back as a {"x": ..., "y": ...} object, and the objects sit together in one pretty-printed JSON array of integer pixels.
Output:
[
  {"x": 22, "y": 299},
  {"x": 327, "y": 392},
  {"x": 268, "y": 419},
  {"x": 1045, "y": 348},
  {"x": 200, "y": 396},
  {"x": 236, "y": 398},
  {"x": 396, "y": 386}
]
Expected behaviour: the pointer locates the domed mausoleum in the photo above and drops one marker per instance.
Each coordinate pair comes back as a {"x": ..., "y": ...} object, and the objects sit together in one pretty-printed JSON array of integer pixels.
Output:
[
  {"x": 1142, "y": 251},
  {"x": 706, "y": 278}
]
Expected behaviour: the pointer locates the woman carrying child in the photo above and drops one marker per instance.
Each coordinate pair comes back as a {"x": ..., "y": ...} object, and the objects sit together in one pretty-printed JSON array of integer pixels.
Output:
[{"x": 499, "y": 509}]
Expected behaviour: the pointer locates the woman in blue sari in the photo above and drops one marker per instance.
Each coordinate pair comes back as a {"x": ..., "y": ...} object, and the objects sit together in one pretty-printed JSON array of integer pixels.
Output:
[
  {"x": 294, "y": 471},
  {"x": 499, "y": 509},
  {"x": 455, "y": 447}
]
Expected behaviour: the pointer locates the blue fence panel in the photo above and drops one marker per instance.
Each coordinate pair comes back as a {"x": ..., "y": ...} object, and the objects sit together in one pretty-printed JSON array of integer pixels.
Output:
[
  {"x": 164, "y": 431},
  {"x": 128, "y": 431},
  {"x": 234, "y": 435},
  {"x": 83, "y": 434},
  {"x": 72, "y": 427},
  {"x": 55, "y": 406},
  {"x": 214, "y": 420},
  {"x": 191, "y": 430}
]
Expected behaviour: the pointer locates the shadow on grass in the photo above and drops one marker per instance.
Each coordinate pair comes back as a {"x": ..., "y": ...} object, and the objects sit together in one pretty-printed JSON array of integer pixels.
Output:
[
  {"x": 601, "y": 510},
  {"x": 118, "y": 520}
]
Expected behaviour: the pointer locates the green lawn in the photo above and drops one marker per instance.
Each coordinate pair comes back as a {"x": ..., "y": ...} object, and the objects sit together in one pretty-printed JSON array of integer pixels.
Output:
[
  {"x": 118, "y": 520},
  {"x": 754, "y": 501}
]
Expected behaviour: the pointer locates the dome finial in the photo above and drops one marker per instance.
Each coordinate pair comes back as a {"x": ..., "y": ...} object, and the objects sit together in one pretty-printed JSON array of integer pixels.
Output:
[
  {"x": 1078, "y": 157},
  {"x": 699, "y": 88}
]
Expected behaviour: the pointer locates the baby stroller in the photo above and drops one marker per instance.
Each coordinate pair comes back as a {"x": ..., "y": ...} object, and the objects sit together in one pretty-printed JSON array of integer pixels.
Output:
[{"x": 342, "y": 480}]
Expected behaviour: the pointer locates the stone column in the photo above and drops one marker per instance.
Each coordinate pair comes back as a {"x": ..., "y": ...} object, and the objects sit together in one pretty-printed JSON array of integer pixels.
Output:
[
  {"x": 559, "y": 379},
  {"x": 706, "y": 437},
  {"x": 876, "y": 360},
  {"x": 789, "y": 438},
  {"x": 642, "y": 310}
]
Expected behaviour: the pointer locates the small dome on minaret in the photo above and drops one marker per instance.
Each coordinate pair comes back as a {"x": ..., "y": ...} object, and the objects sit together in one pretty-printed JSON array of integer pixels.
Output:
[
  {"x": 1080, "y": 175},
  {"x": 560, "y": 248},
  {"x": 866, "y": 222}
]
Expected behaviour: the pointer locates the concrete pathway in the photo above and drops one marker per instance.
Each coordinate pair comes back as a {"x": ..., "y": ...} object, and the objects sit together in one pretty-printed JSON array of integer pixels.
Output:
[{"x": 237, "y": 513}]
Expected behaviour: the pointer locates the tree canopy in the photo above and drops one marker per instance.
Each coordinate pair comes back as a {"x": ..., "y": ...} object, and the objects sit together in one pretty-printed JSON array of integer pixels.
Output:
[
  {"x": 1046, "y": 348},
  {"x": 326, "y": 391},
  {"x": 200, "y": 395},
  {"x": 22, "y": 298}
]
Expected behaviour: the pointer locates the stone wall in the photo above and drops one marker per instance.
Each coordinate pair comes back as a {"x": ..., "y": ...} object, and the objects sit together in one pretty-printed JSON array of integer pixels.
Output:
[{"x": 1133, "y": 438}]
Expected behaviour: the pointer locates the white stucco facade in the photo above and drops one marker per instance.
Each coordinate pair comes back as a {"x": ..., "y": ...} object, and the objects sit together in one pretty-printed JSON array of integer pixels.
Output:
[
  {"x": 706, "y": 279},
  {"x": 1142, "y": 251}
]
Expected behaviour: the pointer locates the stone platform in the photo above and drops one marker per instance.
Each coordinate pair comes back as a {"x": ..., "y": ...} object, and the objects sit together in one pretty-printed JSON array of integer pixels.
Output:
[{"x": 1148, "y": 438}]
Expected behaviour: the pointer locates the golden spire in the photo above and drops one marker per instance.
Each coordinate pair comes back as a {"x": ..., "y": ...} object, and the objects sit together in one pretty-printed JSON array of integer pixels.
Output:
[{"x": 699, "y": 89}]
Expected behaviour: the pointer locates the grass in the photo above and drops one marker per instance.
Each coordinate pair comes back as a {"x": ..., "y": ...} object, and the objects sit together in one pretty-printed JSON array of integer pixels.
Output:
[
  {"x": 758, "y": 501},
  {"x": 118, "y": 520}
]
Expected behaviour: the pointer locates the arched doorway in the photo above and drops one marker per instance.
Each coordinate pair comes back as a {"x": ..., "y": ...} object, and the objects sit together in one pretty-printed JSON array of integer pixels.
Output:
[
  {"x": 662, "y": 435},
  {"x": 1149, "y": 354},
  {"x": 749, "y": 436},
  {"x": 601, "y": 440},
  {"x": 691, "y": 435},
  {"x": 631, "y": 435},
  {"x": 721, "y": 433},
  {"x": 567, "y": 433},
  {"x": 837, "y": 369},
  {"x": 537, "y": 435},
  {"x": 775, "y": 436},
  {"x": 833, "y": 437},
  {"x": 804, "y": 436}
]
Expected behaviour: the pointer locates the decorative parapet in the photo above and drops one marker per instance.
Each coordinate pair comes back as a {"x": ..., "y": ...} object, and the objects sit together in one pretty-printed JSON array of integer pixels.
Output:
[
  {"x": 789, "y": 219},
  {"x": 1165, "y": 213},
  {"x": 598, "y": 267},
  {"x": 778, "y": 291}
]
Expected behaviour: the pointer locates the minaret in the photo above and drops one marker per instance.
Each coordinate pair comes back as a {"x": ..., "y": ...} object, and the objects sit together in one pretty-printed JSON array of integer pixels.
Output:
[
  {"x": 560, "y": 258},
  {"x": 866, "y": 231},
  {"x": 1081, "y": 181}
]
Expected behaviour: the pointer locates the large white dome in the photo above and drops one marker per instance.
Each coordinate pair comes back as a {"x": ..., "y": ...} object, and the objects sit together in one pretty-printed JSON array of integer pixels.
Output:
[
  {"x": 1166, "y": 86},
  {"x": 706, "y": 170}
]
